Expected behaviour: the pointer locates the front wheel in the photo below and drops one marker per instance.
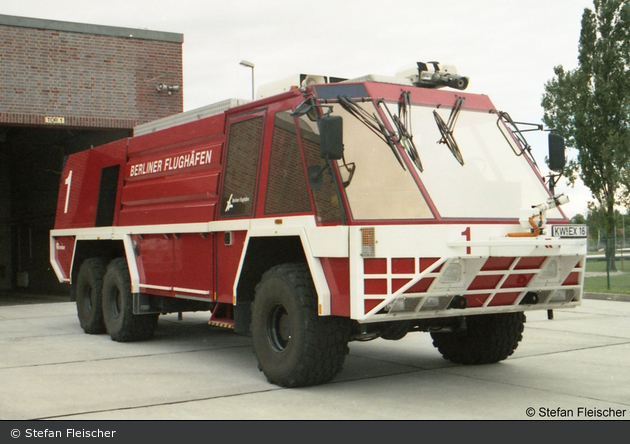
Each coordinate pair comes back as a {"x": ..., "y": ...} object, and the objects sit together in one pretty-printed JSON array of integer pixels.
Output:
[
  {"x": 122, "y": 325},
  {"x": 485, "y": 340},
  {"x": 294, "y": 346}
]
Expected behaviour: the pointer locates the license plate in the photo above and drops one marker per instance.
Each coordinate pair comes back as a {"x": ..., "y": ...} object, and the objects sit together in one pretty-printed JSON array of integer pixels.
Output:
[{"x": 569, "y": 231}]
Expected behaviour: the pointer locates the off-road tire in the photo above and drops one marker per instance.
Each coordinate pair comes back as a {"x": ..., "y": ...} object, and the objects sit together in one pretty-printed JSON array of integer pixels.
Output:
[
  {"x": 487, "y": 339},
  {"x": 294, "y": 346},
  {"x": 89, "y": 295},
  {"x": 122, "y": 325}
]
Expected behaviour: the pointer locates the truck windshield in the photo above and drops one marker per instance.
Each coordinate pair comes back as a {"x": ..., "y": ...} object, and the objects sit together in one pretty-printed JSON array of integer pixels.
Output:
[
  {"x": 486, "y": 180},
  {"x": 489, "y": 181},
  {"x": 380, "y": 188}
]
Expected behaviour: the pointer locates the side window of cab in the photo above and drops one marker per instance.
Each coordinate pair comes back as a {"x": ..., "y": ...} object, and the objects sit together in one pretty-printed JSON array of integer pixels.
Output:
[{"x": 287, "y": 188}]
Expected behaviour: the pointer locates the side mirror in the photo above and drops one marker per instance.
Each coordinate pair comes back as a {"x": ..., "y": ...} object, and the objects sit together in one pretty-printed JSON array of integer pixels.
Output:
[
  {"x": 557, "y": 159},
  {"x": 330, "y": 137}
]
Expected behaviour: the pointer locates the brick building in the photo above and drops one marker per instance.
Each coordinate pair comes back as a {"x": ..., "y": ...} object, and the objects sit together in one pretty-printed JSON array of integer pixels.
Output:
[{"x": 65, "y": 87}]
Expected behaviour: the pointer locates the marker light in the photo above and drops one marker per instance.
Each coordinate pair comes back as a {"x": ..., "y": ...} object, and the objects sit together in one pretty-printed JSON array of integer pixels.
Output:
[{"x": 368, "y": 242}]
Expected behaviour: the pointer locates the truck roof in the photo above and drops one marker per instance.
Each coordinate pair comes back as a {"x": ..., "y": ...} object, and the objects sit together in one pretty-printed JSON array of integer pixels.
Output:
[{"x": 188, "y": 116}]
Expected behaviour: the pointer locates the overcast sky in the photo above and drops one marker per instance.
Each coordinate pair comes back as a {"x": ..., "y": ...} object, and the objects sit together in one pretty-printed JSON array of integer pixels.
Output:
[{"x": 508, "y": 48}]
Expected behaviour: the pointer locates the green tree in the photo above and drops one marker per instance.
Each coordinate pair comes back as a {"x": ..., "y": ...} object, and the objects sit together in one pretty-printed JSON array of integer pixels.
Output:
[
  {"x": 595, "y": 220},
  {"x": 578, "y": 219},
  {"x": 590, "y": 106}
]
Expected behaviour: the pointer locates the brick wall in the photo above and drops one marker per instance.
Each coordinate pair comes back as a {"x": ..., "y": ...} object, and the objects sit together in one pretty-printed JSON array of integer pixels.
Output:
[{"x": 88, "y": 79}]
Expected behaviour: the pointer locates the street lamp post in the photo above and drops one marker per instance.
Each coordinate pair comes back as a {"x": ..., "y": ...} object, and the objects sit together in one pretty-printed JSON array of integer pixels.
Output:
[{"x": 247, "y": 64}]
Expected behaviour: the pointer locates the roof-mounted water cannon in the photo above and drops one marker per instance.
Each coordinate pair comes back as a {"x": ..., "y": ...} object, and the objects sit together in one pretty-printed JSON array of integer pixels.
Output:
[{"x": 431, "y": 75}]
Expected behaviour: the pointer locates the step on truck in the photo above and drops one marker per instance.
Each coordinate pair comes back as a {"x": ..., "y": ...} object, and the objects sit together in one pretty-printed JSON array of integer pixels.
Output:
[{"x": 325, "y": 211}]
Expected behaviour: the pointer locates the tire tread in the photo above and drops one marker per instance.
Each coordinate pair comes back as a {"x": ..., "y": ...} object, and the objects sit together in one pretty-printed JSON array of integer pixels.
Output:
[
  {"x": 487, "y": 339},
  {"x": 325, "y": 345},
  {"x": 128, "y": 327},
  {"x": 92, "y": 270}
]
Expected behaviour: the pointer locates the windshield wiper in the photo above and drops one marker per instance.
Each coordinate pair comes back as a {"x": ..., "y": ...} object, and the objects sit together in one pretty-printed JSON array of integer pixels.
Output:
[
  {"x": 446, "y": 129},
  {"x": 373, "y": 123},
  {"x": 402, "y": 122}
]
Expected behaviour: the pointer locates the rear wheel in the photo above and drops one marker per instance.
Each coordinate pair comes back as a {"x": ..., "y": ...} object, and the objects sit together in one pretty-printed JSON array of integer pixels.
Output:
[
  {"x": 89, "y": 295},
  {"x": 294, "y": 346},
  {"x": 122, "y": 325},
  {"x": 487, "y": 339}
]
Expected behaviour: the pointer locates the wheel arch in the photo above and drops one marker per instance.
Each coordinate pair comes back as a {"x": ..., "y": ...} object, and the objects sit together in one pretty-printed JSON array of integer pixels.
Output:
[
  {"x": 85, "y": 249},
  {"x": 260, "y": 254}
]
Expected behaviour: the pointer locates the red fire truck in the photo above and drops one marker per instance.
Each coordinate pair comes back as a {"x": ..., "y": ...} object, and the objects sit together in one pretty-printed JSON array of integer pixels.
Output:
[{"x": 331, "y": 211}]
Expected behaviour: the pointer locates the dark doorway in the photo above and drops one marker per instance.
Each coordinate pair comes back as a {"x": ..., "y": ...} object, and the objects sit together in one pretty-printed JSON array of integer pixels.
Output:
[{"x": 31, "y": 161}]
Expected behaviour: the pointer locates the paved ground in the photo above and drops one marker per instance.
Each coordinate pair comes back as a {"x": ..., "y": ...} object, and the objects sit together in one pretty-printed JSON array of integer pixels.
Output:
[{"x": 576, "y": 364}]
